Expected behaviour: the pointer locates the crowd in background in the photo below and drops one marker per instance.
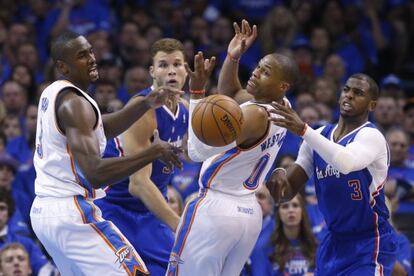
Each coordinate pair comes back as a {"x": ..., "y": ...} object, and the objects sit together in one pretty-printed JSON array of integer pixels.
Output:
[{"x": 330, "y": 40}]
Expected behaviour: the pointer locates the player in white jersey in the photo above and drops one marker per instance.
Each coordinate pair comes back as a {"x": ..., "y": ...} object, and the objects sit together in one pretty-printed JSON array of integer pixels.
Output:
[
  {"x": 219, "y": 228},
  {"x": 70, "y": 139}
]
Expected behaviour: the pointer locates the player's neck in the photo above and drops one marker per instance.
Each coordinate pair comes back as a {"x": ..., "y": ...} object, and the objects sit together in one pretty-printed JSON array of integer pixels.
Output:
[{"x": 347, "y": 125}]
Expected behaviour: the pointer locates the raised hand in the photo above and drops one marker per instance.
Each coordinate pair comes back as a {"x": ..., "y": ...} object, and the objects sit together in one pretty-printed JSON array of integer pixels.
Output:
[
  {"x": 202, "y": 71},
  {"x": 159, "y": 96},
  {"x": 289, "y": 118},
  {"x": 277, "y": 185},
  {"x": 169, "y": 153},
  {"x": 242, "y": 40}
]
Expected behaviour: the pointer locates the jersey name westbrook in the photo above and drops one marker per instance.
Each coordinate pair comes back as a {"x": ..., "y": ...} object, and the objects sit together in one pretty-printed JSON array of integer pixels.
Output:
[{"x": 273, "y": 140}]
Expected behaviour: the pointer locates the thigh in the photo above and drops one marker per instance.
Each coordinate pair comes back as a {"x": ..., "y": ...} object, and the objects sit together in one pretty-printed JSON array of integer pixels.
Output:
[
  {"x": 239, "y": 254},
  {"x": 83, "y": 242}
]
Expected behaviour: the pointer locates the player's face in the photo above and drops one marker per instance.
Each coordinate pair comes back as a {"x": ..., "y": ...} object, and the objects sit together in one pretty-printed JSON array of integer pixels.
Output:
[
  {"x": 80, "y": 63},
  {"x": 265, "y": 82},
  {"x": 168, "y": 69},
  {"x": 15, "y": 261},
  {"x": 291, "y": 212},
  {"x": 355, "y": 99}
]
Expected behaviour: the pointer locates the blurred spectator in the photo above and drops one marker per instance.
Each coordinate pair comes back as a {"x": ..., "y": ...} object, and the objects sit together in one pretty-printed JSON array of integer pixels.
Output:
[
  {"x": 136, "y": 78},
  {"x": 334, "y": 69},
  {"x": 175, "y": 200},
  {"x": 321, "y": 46},
  {"x": 110, "y": 69},
  {"x": 251, "y": 10},
  {"x": 400, "y": 182},
  {"x": 105, "y": 92},
  {"x": 221, "y": 34},
  {"x": 292, "y": 246},
  {"x": 129, "y": 34},
  {"x": 325, "y": 91},
  {"x": 81, "y": 16},
  {"x": 199, "y": 33},
  {"x": 22, "y": 147},
  {"x": 23, "y": 75},
  {"x": 27, "y": 55},
  {"x": 18, "y": 33},
  {"x": 14, "y": 97},
  {"x": 302, "y": 54},
  {"x": 14, "y": 260},
  {"x": 278, "y": 30},
  {"x": 391, "y": 85},
  {"x": 303, "y": 12},
  {"x": 408, "y": 125},
  {"x": 11, "y": 127},
  {"x": 386, "y": 112},
  {"x": 101, "y": 48}
]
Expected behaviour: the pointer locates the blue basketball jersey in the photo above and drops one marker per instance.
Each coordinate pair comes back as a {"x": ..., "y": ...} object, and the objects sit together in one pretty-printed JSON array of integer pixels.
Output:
[
  {"x": 353, "y": 203},
  {"x": 171, "y": 128}
]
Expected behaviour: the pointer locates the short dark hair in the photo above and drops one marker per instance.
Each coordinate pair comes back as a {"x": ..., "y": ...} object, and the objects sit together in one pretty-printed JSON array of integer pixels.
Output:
[
  {"x": 290, "y": 70},
  {"x": 167, "y": 45},
  {"x": 59, "y": 44},
  {"x": 373, "y": 86},
  {"x": 6, "y": 197}
]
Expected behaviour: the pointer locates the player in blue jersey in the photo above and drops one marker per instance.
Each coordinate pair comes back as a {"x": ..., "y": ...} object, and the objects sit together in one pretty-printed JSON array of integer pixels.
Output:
[
  {"x": 350, "y": 162},
  {"x": 139, "y": 205}
]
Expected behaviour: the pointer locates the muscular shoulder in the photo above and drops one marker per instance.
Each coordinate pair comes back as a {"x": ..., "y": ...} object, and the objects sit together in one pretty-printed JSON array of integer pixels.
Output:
[{"x": 74, "y": 110}]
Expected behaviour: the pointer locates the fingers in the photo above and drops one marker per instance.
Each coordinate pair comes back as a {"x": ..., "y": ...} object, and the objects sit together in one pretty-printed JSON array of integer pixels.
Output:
[
  {"x": 247, "y": 27},
  {"x": 236, "y": 28},
  {"x": 254, "y": 32},
  {"x": 198, "y": 62},
  {"x": 209, "y": 65}
]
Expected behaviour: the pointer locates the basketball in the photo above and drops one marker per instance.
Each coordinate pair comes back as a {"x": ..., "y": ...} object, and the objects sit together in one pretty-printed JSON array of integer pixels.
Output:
[{"x": 217, "y": 120}]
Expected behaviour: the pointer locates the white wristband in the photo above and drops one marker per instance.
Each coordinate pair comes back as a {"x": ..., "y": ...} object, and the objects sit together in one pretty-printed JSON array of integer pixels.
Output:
[{"x": 281, "y": 169}]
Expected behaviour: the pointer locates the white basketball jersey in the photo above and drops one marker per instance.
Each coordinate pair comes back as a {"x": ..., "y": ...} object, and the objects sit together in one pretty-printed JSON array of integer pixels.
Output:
[
  {"x": 240, "y": 171},
  {"x": 57, "y": 174}
]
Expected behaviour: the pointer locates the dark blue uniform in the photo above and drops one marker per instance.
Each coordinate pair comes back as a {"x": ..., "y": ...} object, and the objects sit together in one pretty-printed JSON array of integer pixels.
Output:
[
  {"x": 360, "y": 239},
  {"x": 152, "y": 239}
]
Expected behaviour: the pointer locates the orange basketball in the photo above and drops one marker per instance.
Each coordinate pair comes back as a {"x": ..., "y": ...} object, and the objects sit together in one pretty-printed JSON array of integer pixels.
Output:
[{"x": 217, "y": 120}]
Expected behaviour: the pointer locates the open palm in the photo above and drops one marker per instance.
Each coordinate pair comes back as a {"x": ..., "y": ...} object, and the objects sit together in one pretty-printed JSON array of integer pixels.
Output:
[{"x": 242, "y": 40}]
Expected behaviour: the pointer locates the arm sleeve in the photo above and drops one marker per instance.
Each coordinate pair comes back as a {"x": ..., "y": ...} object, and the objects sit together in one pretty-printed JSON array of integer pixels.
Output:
[
  {"x": 197, "y": 150},
  {"x": 366, "y": 148},
  {"x": 305, "y": 158}
]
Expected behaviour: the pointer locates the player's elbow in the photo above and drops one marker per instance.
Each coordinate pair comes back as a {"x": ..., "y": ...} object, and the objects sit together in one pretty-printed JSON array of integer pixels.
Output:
[
  {"x": 343, "y": 161},
  {"x": 136, "y": 188}
]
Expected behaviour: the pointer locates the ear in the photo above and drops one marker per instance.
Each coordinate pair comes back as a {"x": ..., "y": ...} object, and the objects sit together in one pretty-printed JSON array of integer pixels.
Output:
[
  {"x": 62, "y": 68},
  {"x": 151, "y": 71},
  {"x": 372, "y": 106}
]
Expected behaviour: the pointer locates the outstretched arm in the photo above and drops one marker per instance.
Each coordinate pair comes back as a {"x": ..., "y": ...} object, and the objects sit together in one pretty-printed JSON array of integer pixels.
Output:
[
  {"x": 202, "y": 70},
  {"x": 77, "y": 118},
  {"x": 229, "y": 83},
  {"x": 117, "y": 122},
  {"x": 368, "y": 145}
]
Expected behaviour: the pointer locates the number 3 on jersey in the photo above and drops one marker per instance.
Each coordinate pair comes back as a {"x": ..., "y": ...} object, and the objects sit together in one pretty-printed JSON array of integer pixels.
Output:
[
  {"x": 252, "y": 181},
  {"x": 356, "y": 185}
]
